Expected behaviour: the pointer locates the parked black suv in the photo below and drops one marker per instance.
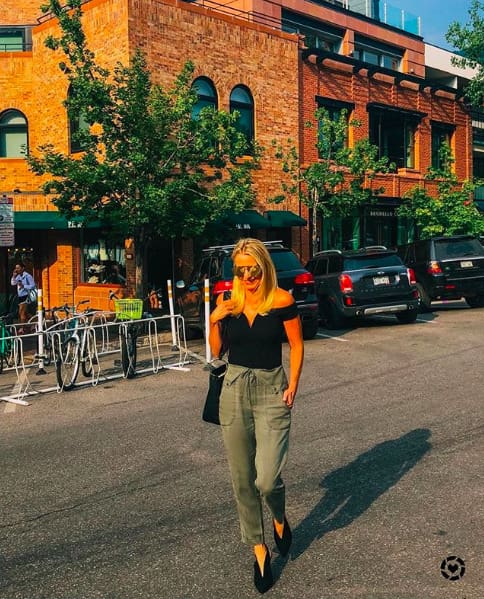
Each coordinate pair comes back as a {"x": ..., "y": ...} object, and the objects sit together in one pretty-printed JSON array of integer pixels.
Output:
[
  {"x": 217, "y": 266},
  {"x": 447, "y": 268},
  {"x": 358, "y": 283}
]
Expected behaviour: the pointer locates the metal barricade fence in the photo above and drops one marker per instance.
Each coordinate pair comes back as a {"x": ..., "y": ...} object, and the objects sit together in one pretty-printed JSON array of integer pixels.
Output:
[{"x": 161, "y": 345}]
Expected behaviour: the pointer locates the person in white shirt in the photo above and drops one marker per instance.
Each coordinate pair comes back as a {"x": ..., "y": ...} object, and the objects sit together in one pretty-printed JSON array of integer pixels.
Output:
[{"x": 24, "y": 282}]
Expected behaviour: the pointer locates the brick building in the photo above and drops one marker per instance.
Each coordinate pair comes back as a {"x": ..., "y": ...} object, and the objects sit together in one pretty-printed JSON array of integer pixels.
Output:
[
  {"x": 289, "y": 56},
  {"x": 406, "y": 94},
  {"x": 226, "y": 52}
]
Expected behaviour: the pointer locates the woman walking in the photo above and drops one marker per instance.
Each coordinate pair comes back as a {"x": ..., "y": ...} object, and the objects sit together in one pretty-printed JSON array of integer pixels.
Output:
[{"x": 256, "y": 400}]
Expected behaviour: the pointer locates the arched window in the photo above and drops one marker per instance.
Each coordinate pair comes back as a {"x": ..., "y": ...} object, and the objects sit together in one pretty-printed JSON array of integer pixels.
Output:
[
  {"x": 241, "y": 101},
  {"x": 77, "y": 124},
  {"x": 13, "y": 134},
  {"x": 207, "y": 95}
]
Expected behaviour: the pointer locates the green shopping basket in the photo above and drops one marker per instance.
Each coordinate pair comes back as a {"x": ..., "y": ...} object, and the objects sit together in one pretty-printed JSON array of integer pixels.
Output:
[{"x": 128, "y": 309}]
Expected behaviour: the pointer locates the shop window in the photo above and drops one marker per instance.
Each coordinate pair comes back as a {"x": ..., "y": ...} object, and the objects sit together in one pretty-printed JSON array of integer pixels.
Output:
[
  {"x": 13, "y": 134},
  {"x": 394, "y": 131},
  {"x": 478, "y": 165},
  {"x": 103, "y": 260},
  {"x": 377, "y": 54},
  {"x": 242, "y": 102},
  {"x": 441, "y": 136},
  {"x": 207, "y": 95}
]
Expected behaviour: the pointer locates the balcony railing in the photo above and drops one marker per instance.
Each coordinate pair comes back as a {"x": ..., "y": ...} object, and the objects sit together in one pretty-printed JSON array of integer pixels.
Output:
[
  {"x": 380, "y": 11},
  {"x": 16, "y": 47}
]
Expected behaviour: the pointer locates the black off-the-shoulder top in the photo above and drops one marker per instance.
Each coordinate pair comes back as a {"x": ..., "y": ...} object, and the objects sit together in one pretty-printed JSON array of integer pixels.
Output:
[{"x": 259, "y": 345}]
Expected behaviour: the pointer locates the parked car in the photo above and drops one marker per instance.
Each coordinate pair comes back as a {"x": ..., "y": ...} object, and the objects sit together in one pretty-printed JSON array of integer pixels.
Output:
[
  {"x": 447, "y": 268},
  {"x": 216, "y": 265},
  {"x": 364, "y": 282}
]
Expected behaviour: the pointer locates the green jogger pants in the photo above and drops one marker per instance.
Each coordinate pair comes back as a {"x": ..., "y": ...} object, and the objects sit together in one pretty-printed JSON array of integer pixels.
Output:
[{"x": 255, "y": 424}]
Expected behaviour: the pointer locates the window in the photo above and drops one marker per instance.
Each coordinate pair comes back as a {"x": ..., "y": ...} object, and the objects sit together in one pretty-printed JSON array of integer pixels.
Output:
[
  {"x": 242, "y": 102},
  {"x": 13, "y": 134},
  {"x": 15, "y": 39},
  {"x": 207, "y": 96},
  {"x": 316, "y": 35},
  {"x": 334, "y": 109},
  {"x": 393, "y": 130},
  {"x": 77, "y": 126},
  {"x": 377, "y": 54},
  {"x": 103, "y": 260},
  {"x": 441, "y": 135}
]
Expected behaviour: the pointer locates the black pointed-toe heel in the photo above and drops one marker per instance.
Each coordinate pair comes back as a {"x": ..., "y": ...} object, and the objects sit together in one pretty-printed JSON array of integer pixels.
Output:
[
  {"x": 283, "y": 543},
  {"x": 263, "y": 582}
]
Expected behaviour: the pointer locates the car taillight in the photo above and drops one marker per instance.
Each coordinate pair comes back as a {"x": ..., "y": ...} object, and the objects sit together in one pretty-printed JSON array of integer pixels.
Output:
[
  {"x": 345, "y": 283},
  {"x": 221, "y": 287},
  {"x": 411, "y": 276},
  {"x": 305, "y": 278},
  {"x": 434, "y": 268}
]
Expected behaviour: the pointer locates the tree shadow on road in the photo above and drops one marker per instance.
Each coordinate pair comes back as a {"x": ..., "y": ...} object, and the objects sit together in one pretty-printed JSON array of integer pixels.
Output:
[{"x": 350, "y": 490}]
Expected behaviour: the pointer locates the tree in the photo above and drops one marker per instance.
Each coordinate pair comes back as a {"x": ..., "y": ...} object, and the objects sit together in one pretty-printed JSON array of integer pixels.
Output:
[
  {"x": 469, "y": 39},
  {"x": 452, "y": 212},
  {"x": 341, "y": 180},
  {"x": 147, "y": 167}
]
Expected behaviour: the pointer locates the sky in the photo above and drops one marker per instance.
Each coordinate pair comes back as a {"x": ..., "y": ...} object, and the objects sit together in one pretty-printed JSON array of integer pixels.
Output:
[{"x": 436, "y": 16}]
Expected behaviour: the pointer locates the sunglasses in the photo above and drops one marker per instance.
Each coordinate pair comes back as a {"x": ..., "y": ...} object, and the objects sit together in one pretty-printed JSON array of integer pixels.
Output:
[{"x": 254, "y": 272}]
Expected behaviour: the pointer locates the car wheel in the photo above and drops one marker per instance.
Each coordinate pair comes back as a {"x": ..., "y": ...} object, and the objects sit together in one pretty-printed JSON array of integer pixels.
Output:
[
  {"x": 334, "y": 319},
  {"x": 310, "y": 329},
  {"x": 476, "y": 301},
  {"x": 425, "y": 301},
  {"x": 407, "y": 317}
]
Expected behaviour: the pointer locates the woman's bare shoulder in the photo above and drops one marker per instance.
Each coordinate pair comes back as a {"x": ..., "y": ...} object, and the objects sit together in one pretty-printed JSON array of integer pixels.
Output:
[{"x": 282, "y": 298}]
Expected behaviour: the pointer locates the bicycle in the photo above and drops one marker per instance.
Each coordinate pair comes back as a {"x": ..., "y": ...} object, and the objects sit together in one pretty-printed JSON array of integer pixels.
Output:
[
  {"x": 74, "y": 346},
  {"x": 9, "y": 353},
  {"x": 128, "y": 310}
]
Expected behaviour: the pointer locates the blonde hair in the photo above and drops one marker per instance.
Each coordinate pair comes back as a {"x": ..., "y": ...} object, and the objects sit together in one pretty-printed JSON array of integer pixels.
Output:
[{"x": 268, "y": 284}]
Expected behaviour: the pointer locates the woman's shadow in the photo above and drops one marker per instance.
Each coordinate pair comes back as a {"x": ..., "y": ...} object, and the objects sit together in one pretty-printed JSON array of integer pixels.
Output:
[{"x": 351, "y": 490}]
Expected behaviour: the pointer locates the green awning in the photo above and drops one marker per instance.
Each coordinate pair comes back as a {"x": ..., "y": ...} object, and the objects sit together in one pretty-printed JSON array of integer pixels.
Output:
[
  {"x": 247, "y": 219},
  {"x": 284, "y": 218},
  {"x": 48, "y": 219}
]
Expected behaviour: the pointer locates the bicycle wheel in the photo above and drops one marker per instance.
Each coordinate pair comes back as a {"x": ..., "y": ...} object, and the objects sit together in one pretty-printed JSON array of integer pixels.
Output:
[
  {"x": 48, "y": 349},
  {"x": 127, "y": 340},
  {"x": 67, "y": 363},
  {"x": 12, "y": 350},
  {"x": 88, "y": 353}
]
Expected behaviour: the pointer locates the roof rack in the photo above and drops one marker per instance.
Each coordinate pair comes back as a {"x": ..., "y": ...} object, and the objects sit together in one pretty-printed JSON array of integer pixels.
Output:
[{"x": 230, "y": 246}]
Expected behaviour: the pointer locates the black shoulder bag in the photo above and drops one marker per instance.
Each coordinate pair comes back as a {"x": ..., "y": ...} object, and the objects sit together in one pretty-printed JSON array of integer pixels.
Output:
[{"x": 215, "y": 382}]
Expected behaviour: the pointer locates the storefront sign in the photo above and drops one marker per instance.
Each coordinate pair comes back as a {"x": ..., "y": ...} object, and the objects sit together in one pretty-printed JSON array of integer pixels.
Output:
[
  {"x": 7, "y": 231},
  {"x": 386, "y": 212}
]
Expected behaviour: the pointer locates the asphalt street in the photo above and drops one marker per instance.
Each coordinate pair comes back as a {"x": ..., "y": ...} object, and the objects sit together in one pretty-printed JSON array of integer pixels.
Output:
[{"x": 122, "y": 492}]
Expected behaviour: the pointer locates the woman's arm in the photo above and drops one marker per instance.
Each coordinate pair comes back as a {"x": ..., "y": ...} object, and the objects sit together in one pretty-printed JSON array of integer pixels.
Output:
[{"x": 293, "y": 330}]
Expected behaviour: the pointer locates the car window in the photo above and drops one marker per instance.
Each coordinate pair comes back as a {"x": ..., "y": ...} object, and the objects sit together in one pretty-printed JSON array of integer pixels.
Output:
[
  {"x": 372, "y": 261},
  {"x": 334, "y": 264},
  {"x": 318, "y": 266},
  {"x": 457, "y": 248},
  {"x": 285, "y": 260}
]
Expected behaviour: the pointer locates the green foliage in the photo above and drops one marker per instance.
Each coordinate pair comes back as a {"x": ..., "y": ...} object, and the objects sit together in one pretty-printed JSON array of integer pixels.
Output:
[
  {"x": 469, "y": 40},
  {"x": 147, "y": 168},
  {"x": 341, "y": 180},
  {"x": 452, "y": 212}
]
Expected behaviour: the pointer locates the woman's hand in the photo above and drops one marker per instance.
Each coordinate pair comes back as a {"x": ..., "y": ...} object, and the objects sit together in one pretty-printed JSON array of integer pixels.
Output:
[
  {"x": 223, "y": 309},
  {"x": 289, "y": 396}
]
